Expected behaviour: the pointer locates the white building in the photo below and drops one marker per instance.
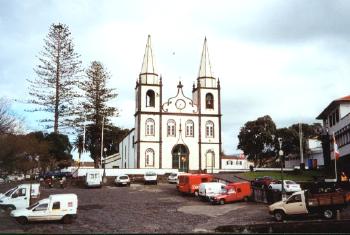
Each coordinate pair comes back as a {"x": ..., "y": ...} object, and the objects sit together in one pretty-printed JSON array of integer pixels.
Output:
[
  {"x": 313, "y": 159},
  {"x": 179, "y": 132},
  {"x": 336, "y": 120},
  {"x": 235, "y": 162}
]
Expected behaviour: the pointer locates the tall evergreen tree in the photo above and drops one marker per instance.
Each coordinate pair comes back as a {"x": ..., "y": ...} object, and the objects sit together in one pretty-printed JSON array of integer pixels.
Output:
[
  {"x": 95, "y": 106},
  {"x": 54, "y": 90}
]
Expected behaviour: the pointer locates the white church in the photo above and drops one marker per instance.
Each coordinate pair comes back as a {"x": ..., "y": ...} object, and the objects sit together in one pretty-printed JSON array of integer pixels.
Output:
[{"x": 180, "y": 132}]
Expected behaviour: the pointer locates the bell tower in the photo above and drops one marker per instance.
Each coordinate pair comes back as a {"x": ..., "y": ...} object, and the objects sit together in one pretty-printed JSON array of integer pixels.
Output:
[
  {"x": 206, "y": 95},
  {"x": 148, "y": 97}
]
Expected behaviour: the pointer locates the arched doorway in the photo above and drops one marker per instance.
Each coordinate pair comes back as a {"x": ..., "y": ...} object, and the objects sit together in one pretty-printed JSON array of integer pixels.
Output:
[{"x": 180, "y": 155}]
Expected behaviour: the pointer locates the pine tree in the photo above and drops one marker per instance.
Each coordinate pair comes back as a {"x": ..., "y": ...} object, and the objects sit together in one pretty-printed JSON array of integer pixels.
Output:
[
  {"x": 54, "y": 90},
  {"x": 96, "y": 110}
]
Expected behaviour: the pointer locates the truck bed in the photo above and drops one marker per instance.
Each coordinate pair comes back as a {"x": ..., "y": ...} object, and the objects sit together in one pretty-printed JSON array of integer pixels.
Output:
[{"x": 326, "y": 199}]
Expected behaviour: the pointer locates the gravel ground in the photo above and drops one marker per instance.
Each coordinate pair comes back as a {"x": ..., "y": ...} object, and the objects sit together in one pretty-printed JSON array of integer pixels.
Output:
[{"x": 142, "y": 209}]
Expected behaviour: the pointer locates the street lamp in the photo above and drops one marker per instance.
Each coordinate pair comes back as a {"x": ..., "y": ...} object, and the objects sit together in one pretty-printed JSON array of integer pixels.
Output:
[
  {"x": 280, "y": 153},
  {"x": 179, "y": 154},
  {"x": 183, "y": 159}
]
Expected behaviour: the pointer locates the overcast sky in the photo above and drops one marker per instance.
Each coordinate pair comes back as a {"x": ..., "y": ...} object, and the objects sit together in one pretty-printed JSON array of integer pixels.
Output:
[{"x": 286, "y": 59}]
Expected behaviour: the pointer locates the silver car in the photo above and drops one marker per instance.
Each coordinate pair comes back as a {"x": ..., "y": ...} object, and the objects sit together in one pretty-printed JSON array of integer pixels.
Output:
[
  {"x": 289, "y": 186},
  {"x": 122, "y": 180}
]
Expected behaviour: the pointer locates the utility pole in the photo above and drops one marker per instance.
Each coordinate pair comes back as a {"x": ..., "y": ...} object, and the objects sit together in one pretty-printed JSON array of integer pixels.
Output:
[
  {"x": 302, "y": 165},
  {"x": 103, "y": 122}
]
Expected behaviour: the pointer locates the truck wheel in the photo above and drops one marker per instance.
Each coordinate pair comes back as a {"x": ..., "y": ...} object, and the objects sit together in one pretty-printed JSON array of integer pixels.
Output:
[
  {"x": 67, "y": 219},
  {"x": 222, "y": 202},
  {"x": 328, "y": 213},
  {"x": 246, "y": 199},
  {"x": 10, "y": 208},
  {"x": 279, "y": 215},
  {"x": 22, "y": 220}
]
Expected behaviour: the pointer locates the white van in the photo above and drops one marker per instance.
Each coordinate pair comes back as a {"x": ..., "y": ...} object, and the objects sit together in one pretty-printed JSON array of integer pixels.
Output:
[
  {"x": 19, "y": 197},
  {"x": 56, "y": 207},
  {"x": 93, "y": 179},
  {"x": 210, "y": 189},
  {"x": 150, "y": 177}
]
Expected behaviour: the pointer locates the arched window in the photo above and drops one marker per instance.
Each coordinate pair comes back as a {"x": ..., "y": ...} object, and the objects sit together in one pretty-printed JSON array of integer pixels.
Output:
[
  {"x": 150, "y": 98},
  {"x": 149, "y": 157},
  {"x": 210, "y": 159},
  {"x": 209, "y": 129},
  {"x": 209, "y": 101},
  {"x": 171, "y": 128},
  {"x": 149, "y": 126},
  {"x": 190, "y": 128}
]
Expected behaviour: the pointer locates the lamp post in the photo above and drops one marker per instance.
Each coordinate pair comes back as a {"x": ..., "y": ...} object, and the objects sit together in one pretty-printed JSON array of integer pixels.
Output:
[
  {"x": 179, "y": 155},
  {"x": 103, "y": 121},
  {"x": 280, "y": 153}
]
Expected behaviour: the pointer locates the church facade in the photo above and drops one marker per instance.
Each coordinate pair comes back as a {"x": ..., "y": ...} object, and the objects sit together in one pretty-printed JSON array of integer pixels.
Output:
[{"x": 180, "y": 132}]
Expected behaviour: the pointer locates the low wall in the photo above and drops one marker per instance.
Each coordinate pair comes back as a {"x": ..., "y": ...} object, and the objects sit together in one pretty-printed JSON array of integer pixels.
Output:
[{"x": 118, "y": 171}]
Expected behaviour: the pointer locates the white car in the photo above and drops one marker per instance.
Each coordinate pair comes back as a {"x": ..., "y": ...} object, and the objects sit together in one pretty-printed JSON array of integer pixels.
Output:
[
  {"x": 2, "y": 181},
  {"x": 173, "y": 178},
  {"x": 150, "y": 177},
  {"x": 210, "y": 189},
  {"x": 289, "y": 186},
  {"x": 122, "y": 180}
]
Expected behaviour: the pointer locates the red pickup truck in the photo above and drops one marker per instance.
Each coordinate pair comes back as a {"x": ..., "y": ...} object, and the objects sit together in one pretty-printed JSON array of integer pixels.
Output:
[{"x": 233, "y": 192}]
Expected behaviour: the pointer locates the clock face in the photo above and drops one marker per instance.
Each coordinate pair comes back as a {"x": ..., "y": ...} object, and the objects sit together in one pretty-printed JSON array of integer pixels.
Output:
[{"x": 180, "y": 104}]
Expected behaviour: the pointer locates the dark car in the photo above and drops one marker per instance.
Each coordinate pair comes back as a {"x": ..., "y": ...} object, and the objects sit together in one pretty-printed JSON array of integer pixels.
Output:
[{"x": 263, "y": 182}]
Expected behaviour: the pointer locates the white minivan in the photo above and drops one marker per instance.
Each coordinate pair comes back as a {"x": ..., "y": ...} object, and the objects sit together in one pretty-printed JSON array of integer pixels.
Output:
[
  {"x": 210, "y": 189},
  {"x": 93, "y": 179},
  {"x": 56, "y": 207}
]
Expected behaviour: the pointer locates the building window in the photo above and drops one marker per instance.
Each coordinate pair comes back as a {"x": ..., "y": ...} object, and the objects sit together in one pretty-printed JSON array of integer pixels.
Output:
[
  {"x": 133, "y": 141},
  {"x": 209, "y": 129},
  {"x": 210, "y": 159},
  {"x": 150, "y": 98},
  {"x": 149, "y": 126},
  {"x": 149, "y": 159},
  {"x": 209, "y": 101},
  {"x": 171, "y": 128},
  {"x": 190, "y": 128}
]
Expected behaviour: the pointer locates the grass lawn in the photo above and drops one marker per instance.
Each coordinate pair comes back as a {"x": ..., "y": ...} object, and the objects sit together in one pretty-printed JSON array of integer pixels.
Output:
[{"x": 307, "y": 175}]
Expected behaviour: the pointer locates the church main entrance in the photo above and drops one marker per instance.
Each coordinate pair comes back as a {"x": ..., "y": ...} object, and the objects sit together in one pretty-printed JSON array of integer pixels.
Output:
[{"x": 180, "y": 155}]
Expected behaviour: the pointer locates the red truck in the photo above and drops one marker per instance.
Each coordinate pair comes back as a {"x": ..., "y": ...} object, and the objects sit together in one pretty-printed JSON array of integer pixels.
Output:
[
  {"x": 189, "y": 183},
  {"x": 233, "y": 192}
]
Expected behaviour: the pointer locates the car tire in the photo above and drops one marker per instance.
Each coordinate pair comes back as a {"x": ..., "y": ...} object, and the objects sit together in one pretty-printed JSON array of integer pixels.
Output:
[
  {"x": 279, "y": 215},
  {"x": 246, "y": 199},
  {"x": 196, "y": 193},
  {"x": 22, "y": 220},
  {"x": 67, "y": 219},
  {"x": 222, "y": 202},
  {"x": 328, "y": 214}
]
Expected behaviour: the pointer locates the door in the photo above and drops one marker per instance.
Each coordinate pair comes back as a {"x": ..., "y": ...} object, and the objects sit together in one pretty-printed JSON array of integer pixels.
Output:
[
  {"x": 295, "y": 205},
  {"x": 39, "y": 213},
  {"x": 20, "y": 198},
  {"x": 231, "y": 195},
  {"x": 180, "y": 155}
]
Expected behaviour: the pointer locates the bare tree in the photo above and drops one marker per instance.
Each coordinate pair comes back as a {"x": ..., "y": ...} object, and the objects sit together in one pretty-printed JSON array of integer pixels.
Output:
[
  {"x": 54, "y": 90},
  {"x": 8, "y": 123}
]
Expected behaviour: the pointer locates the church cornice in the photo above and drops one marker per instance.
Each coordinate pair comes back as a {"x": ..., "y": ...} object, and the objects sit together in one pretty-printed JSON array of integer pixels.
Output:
[{"x": 178, "y": 114}]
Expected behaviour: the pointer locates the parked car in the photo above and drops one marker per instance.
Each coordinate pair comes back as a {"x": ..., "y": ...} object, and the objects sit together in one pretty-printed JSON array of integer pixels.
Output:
[
  {"x": 288, "y": 185},
  {"x": 263, "y": 182},
  {"x": 150, "y": 177},
  {"x": 122, "y": 180},
  {"x": 2, "y": 180},
  {"x": 210, "y": 189},
  {"x": 173, "y": 178},
  {"x": 56, "y": 207},
  {"x": 305, "y": 203},
  {"x": 189, "y": 183},
  {"x": 233, "y": 192}
]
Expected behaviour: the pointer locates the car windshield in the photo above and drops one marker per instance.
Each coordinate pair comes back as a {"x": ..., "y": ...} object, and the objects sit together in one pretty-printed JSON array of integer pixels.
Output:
[
  {"x": 8, "y": 193},
  {"x": 290, "y": 182},
  {"x": 124, "y": 177},
  {"x": 173, "y": 174},
  {"x": 150, "y": 174}
]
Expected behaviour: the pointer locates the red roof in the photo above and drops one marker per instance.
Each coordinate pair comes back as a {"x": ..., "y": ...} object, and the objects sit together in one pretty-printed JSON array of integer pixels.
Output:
[{"x": 332, "y": 105}]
